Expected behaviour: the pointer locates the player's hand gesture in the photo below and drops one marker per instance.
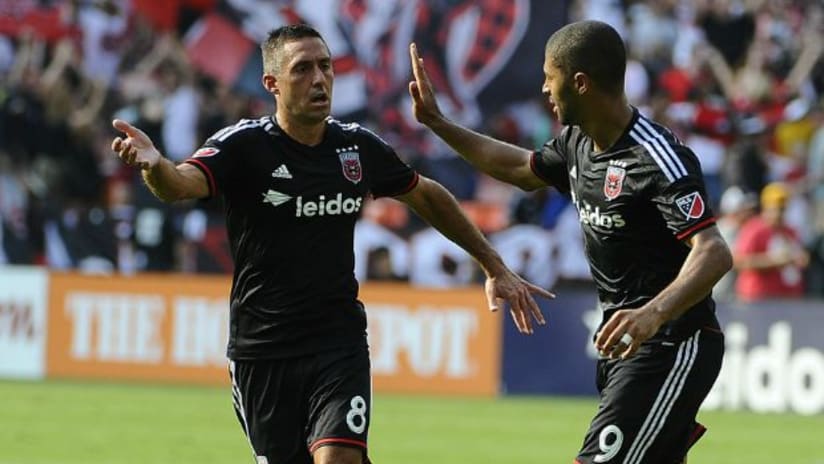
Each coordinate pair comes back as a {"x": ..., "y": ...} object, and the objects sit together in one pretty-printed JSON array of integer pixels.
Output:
[
  {"x": 508, "y": 287},
  {"x": 424, "y": 105},
  {"x": 137, "y": 148}
]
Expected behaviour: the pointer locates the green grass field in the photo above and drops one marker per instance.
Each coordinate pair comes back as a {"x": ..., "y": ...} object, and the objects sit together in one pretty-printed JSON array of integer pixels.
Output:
[{"x": 97, "y": 423}]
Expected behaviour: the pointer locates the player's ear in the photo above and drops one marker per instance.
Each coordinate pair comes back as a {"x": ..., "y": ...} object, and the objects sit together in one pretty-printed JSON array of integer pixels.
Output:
[
  {"x": 270, "y": 83},
  {"x": 581, "y": 82}
]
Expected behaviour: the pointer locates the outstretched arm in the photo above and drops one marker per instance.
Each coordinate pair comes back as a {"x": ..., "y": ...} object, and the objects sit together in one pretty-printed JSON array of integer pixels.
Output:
[
  {"x": 432, "y": 202},
  {"x": 167, "y": 181},
  {"x": 501, "y": 160}
]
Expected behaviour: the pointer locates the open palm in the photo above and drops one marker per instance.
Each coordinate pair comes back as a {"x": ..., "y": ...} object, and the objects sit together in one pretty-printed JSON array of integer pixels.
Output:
[
  {"x": 137, "y": 148},
  {"x": 424, "y": 105}
]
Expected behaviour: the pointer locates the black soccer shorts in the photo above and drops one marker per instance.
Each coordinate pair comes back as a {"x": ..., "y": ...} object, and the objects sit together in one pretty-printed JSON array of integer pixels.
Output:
[
  {"x": 288, "y": 408},
  {"x": 649, "y": 401}
]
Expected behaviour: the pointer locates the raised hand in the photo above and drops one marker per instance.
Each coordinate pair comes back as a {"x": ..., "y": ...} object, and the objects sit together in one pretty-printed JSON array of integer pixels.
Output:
[
  {"x": 509, "y": 287},
  {"x": 137, "y": 148},
  {"x": 424, "y": 105}
]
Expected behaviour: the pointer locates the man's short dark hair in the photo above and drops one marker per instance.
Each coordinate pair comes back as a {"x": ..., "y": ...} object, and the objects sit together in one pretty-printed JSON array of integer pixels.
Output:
[
  {"x": 593, "y": 48},
  {"x": 273, "y": 45}
]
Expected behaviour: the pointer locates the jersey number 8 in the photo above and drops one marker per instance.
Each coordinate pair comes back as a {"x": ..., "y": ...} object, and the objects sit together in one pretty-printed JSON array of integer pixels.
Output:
[{"x": 356, "y": 417}]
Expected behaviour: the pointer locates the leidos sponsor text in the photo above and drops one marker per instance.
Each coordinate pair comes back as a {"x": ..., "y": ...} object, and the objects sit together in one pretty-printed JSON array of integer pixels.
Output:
[
  {"x": 772, "y": 377},
  {"x": 331, "y": 207},
  {"x": 594, "y": 217}
]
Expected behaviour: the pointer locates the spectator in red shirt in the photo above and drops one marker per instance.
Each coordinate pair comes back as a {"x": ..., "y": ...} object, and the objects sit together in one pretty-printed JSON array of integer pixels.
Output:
[{"x": 768, "y": 254}]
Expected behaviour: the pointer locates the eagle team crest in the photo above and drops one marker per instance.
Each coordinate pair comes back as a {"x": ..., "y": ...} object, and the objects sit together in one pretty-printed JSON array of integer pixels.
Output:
[
  {"x": 614, "y": 181},
  {"x": 350, "y": 162}
]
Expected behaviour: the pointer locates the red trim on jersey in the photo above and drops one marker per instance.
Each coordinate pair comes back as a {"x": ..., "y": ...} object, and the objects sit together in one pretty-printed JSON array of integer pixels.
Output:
[
  {"x": 409, "y": 186},
  {"x": 696, "y": 435},
  {"x": 695, "y": 228},
  {"x": 328, "y": 441},
  {"x": 207, "y": 171}
]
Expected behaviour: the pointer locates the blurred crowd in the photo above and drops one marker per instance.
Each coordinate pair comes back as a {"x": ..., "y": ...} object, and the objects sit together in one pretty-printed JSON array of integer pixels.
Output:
[{"x": 740, "y": 81}]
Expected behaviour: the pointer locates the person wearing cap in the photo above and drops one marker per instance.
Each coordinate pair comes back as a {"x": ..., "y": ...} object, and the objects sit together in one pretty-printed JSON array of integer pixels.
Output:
[{"x": 768, "y": 254}]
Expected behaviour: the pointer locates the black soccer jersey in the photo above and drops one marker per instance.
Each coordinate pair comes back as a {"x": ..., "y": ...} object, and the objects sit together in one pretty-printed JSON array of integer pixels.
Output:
[
  {"x": 637, "y": 202},
  {"x": 290, "y": 215}
]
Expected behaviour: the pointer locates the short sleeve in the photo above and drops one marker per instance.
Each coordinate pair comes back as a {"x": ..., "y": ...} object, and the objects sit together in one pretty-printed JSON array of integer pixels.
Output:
[
  {"x": 388, "y": 175},
  {"x": 214, "y": 158},
  {"x": 678, "y": 192},
  {"x": 549, "y": 163}
]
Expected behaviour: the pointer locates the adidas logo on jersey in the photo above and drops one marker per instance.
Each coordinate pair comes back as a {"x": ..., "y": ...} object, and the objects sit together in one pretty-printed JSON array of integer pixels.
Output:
[{"x": 282, "y": 172}]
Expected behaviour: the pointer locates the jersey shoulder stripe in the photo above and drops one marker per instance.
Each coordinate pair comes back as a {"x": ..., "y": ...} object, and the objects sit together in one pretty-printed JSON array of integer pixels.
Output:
[
  {"x": 344, "y": 126},
  {"x": 242, "y": 125},
  {"x": 355, "y": 128},
  {"x": 659, "y": 148}
]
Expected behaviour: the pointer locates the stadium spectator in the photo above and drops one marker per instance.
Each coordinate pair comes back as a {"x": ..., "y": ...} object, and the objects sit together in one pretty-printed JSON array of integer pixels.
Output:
[
  {"x": 293, "y": 184},
  {"x": 769, "y": 257},
  {"x": 640, "y": 193},
  {"x": 737, "y": 207}
]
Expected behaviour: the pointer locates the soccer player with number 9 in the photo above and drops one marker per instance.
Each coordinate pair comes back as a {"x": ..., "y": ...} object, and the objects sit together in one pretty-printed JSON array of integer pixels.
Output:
[{"x": 651, "y": 242}]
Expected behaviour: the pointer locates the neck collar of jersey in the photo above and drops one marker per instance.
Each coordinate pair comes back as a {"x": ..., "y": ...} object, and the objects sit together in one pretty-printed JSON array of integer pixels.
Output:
[{"x": 624, "y": 141}]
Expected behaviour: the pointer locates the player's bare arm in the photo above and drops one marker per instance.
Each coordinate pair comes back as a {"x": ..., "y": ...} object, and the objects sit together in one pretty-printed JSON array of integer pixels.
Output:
[
  {"x": 708, "y": 260},
  {"x": 167, "y": 181},
  {"x": 432, "y": 202},
  {"x": 501, "y": 160}
]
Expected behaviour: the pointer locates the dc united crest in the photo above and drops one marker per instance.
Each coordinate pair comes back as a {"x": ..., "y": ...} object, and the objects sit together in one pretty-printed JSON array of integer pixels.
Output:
[
  {"x": 350, "y": 162},
  {"x": 614, "y": 181}
]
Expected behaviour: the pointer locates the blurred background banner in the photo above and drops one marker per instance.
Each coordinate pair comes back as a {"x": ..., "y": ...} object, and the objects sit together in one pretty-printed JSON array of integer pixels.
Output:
[
  {"x": 432, "y": 341},
  {"x": 23, "y": 314},
  {"x": 558, "y": 359},
  {"x": 151, "y": 327},
  {"x": 173, "y": 329},
  {"x": 774, "y": 360},
  {"x": 466, "y": 44}
]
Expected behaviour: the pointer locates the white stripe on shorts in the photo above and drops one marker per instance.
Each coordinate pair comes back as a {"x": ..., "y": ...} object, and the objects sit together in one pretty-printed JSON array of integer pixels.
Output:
[
  {"x": 687, "y": 352},
  {"x": 237, "y": 400}
]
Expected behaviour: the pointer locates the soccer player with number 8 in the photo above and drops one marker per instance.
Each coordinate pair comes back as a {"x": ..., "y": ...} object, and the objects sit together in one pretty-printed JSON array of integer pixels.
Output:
[{"x": 293, "y": 185}]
